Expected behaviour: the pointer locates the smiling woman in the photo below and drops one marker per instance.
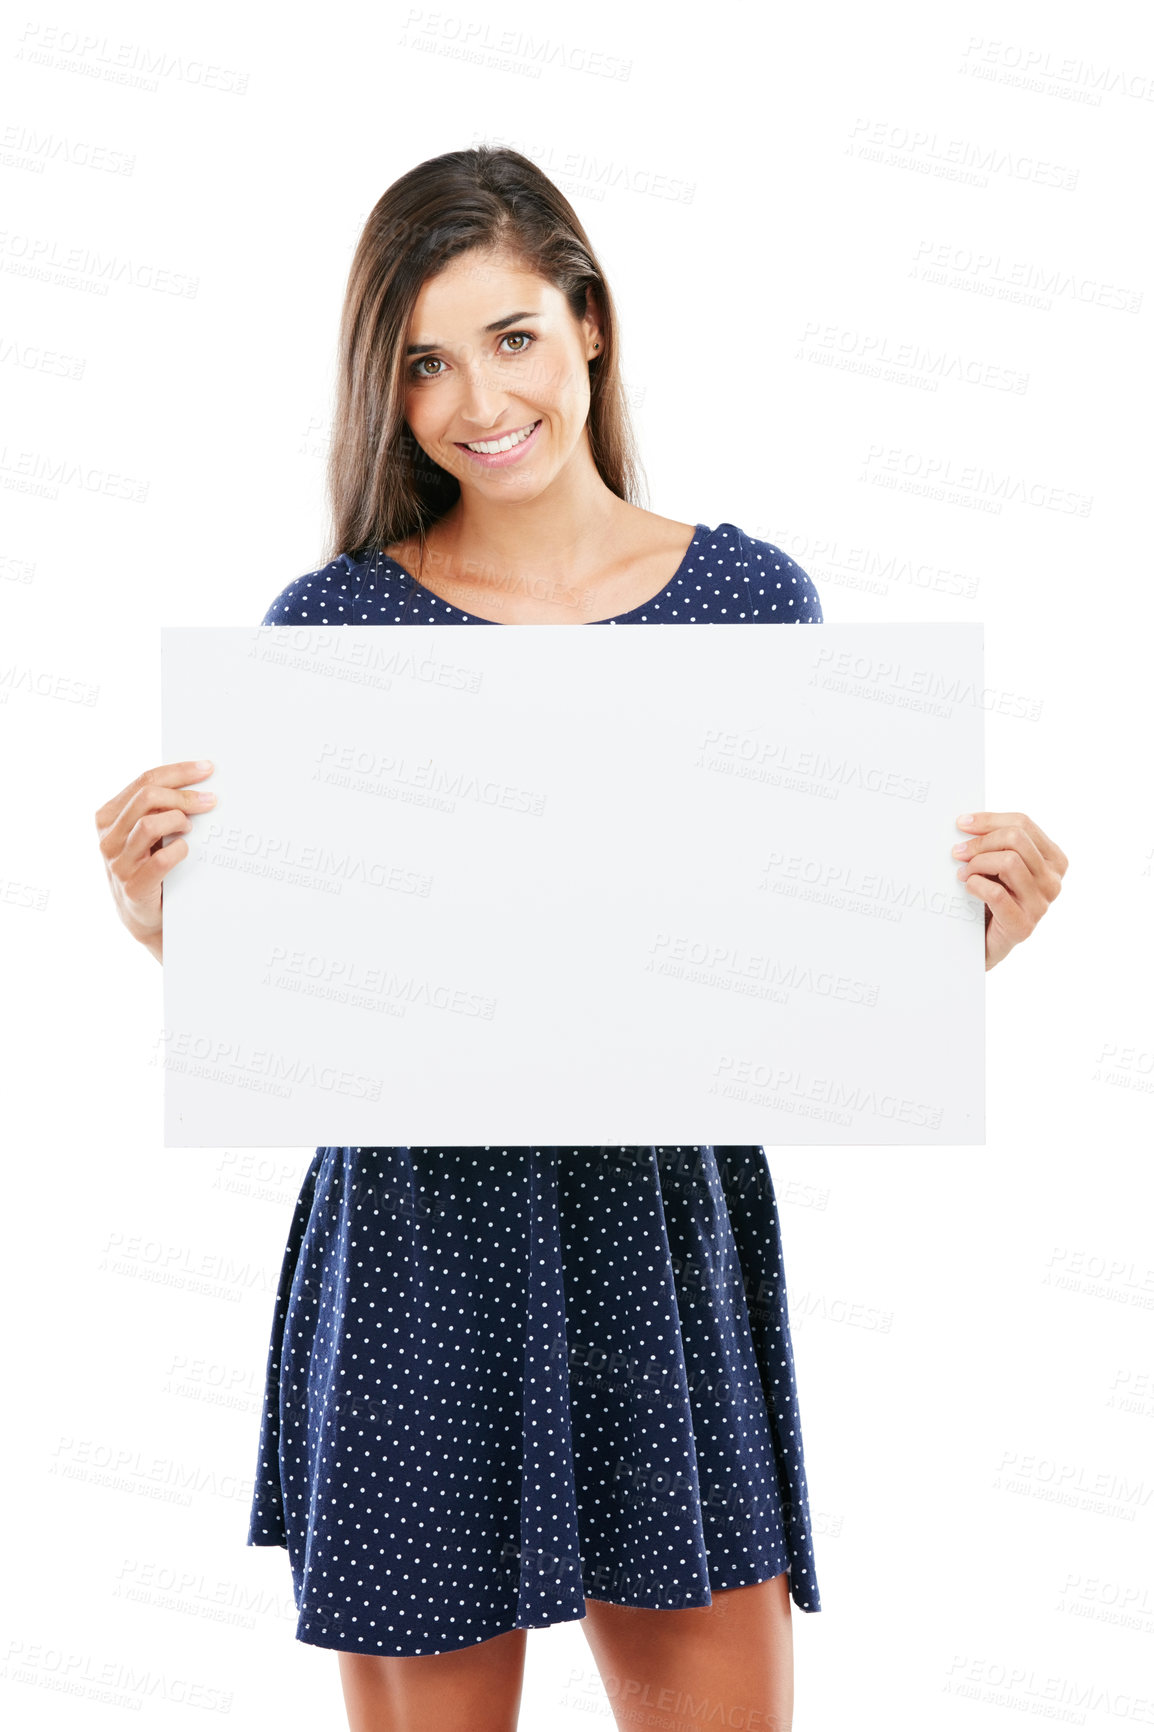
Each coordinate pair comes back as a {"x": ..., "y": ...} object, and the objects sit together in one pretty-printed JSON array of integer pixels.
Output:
[
  {"x": 477, "y": 317},
  {"x": 488, "y": 447},
  {"x": 511, "y": 1387}
]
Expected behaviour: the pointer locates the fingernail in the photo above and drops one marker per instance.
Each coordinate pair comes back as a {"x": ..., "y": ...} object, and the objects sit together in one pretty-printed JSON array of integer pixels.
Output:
[
  {"x": 204, "y": 763},
  {"x": 965, "y": 820},
  {"x": 206, "y": 799},
  {"x": 959, "y": 848}
]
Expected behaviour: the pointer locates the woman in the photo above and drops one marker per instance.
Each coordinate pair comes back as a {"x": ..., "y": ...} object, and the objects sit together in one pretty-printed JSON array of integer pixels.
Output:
[{"x": 511, "y": 1387}]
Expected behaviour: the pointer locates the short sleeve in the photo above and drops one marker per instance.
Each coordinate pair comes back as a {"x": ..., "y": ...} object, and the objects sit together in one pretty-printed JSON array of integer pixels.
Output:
[
  {"x": 780, "y": 589},
  {"x": 318, "y": 598}
]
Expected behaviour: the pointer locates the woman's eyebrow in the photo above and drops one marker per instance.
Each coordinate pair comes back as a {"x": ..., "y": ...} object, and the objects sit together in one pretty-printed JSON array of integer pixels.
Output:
[{"x": 497, "y": 325}]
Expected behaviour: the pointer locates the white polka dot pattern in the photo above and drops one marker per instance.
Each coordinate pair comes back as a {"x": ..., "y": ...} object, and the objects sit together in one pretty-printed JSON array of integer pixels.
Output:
[
  {"x": 501, "y": 1379},
  {"x": 725, "y": 575}
]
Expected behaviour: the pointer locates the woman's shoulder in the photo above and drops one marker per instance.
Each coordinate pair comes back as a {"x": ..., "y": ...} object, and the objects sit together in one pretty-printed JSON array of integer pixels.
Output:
[
  {"x": 326, "y": 596},
  {"x": 780, "y": 589}
]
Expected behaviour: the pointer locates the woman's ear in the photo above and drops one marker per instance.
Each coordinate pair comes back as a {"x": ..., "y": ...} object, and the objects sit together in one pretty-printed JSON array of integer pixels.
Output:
[{"x": 592, "y": 322}]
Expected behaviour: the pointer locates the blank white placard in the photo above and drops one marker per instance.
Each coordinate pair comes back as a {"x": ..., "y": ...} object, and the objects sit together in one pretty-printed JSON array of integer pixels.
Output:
[{"x": 534, "y": 885}]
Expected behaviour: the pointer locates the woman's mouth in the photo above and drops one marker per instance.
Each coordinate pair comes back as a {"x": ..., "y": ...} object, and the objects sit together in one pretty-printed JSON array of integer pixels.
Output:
[{"x": 505, "y": 448}]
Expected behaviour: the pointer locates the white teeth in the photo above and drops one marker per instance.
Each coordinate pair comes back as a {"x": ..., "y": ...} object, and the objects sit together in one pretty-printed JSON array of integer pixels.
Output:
[{"x": 488, "y": 447}]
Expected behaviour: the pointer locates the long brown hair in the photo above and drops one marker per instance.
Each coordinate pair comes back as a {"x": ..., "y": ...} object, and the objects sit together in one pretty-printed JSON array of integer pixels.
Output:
[{"x": 382, "y": 486}]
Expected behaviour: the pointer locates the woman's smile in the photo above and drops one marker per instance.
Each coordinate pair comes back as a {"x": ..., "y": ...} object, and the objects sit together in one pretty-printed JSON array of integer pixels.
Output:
[{"x": 504, "y": 448}]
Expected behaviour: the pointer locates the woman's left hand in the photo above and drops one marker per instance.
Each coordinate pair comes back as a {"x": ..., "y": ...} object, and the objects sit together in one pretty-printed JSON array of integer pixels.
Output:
[{"x": 1016, "y": 871}]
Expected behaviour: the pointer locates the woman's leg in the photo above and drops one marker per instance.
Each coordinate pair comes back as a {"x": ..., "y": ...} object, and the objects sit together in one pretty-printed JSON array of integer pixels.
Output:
[
  {"x": 475, "y": 1689},
  {"x": 720, "y": 1665}
]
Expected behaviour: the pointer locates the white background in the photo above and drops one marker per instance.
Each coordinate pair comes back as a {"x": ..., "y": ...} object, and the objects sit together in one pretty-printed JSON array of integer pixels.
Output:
[{"x": 973, "y": 1329}]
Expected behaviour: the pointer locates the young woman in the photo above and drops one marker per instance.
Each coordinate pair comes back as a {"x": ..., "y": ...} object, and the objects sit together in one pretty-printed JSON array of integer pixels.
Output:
[{"x": 509, "y": 1387}]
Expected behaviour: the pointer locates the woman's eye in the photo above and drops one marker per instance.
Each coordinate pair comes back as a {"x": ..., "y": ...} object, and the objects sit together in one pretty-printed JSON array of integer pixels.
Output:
[{"x": 523, "y": 338}]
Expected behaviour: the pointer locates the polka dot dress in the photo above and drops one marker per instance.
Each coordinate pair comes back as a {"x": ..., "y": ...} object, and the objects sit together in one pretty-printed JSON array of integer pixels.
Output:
[{"x": 502, "y": 1380}]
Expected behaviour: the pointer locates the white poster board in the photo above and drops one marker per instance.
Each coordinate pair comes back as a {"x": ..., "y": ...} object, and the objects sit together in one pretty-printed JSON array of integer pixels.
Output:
[{"x": 676, "y": 885}]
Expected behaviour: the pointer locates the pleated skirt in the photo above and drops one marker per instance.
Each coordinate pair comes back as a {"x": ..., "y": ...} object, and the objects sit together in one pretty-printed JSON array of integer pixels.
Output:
[{"x": 503, "y": 1380}]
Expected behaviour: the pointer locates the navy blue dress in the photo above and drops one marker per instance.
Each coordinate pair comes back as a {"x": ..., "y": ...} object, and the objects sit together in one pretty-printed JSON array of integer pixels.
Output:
[{"x": 503, "y": 1379}]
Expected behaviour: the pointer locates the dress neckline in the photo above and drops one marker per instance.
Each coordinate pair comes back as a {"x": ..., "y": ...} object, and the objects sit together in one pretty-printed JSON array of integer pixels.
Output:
[{"x": 699, "y": 530}]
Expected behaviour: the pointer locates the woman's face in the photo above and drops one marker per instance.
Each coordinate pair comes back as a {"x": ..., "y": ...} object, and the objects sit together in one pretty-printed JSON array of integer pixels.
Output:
[{"x": 500, "y": 353}]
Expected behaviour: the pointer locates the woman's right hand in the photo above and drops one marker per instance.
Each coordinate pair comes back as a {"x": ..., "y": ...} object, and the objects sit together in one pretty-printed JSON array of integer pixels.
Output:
[{"x": 131, "y": 827}]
